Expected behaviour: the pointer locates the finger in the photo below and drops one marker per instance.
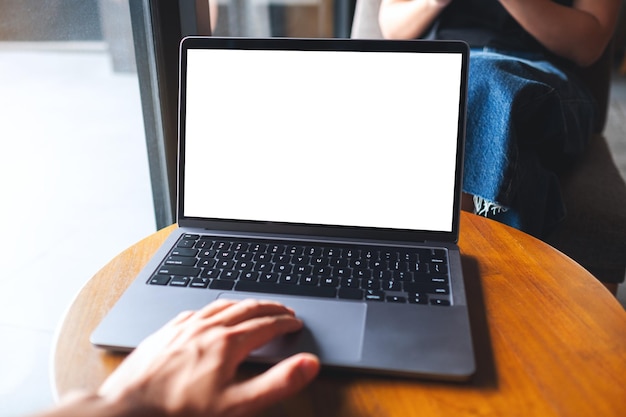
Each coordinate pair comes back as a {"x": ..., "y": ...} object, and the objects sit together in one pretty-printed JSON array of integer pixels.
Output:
[
  {"x": 249, "y": 309},
  {"x": 236, "y": 342},
  {"x": 207, "y": 311},
  {"x": 256, "y": 332},
  {"x": 215, "y": 307},
  {"x": 279, "y": 382},
  {"x": 180, "y": 318},
  {"x": 185, "y": 316},
  {"x": 186, "y": 324}
]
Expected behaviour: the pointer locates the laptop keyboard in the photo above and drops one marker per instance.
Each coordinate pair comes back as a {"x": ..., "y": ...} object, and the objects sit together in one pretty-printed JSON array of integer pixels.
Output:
[{"x": 357, "y": 272}]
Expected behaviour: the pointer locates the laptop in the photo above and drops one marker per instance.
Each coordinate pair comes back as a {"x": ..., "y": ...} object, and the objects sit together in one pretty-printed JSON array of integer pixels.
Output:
[{"x": 324, "y": 174}]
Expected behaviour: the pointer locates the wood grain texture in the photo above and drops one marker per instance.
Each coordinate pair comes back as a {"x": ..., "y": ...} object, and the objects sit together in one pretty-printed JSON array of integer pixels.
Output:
[{"x": 550, "y": 340}]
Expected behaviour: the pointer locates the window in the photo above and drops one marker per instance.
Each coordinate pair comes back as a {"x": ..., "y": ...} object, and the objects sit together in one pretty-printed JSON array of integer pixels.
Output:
[{"x": 74, "y": 172}]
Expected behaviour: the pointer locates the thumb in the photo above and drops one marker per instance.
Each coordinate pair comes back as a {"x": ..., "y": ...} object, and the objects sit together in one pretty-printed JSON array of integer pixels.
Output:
[{"x": 283, "y": 380}]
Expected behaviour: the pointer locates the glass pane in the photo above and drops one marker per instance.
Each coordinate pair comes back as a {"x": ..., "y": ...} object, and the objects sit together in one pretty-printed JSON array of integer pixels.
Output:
[
  {"x": 261, "y": 18},
  {"x": 73, "y": 172}
]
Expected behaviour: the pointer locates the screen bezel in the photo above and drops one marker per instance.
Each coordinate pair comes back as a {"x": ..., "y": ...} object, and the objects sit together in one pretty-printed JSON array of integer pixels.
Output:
[{"x": 355, "y": 45}]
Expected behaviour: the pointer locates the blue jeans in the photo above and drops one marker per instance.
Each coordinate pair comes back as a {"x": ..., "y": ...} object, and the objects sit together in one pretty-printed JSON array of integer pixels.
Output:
[{"x": 525, "y": 116}]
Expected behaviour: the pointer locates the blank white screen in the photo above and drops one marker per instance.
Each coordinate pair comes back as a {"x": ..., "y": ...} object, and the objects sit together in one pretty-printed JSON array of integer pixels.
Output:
[{"x": 333, "y": 138}]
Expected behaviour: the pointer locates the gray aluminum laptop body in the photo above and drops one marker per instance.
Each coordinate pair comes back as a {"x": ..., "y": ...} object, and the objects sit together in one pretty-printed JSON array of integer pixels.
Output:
[{"x": 327, "y": 141}]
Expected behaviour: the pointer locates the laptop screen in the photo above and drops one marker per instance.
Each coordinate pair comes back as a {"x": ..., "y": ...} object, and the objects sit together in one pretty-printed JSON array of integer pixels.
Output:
[{"x": 322, "y": 137}]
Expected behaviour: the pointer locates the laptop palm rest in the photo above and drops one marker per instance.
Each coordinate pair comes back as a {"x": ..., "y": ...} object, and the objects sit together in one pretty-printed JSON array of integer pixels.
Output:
[{"x": 332, "y": 330}]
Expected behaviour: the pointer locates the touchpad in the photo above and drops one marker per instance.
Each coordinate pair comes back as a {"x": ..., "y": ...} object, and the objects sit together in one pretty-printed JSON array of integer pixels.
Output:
[{"x": 333, "y": 330}]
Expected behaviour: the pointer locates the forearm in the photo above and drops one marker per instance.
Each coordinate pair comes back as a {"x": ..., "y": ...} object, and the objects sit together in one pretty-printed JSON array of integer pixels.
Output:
[
  {"x": 92, "y": 405},
  {"x": 408, "y": 19},
  {"x": 579, "y": 33}
]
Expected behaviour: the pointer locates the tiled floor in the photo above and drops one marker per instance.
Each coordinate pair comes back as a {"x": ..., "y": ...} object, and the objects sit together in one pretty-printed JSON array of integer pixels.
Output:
[{"x": 75, "y": 192}]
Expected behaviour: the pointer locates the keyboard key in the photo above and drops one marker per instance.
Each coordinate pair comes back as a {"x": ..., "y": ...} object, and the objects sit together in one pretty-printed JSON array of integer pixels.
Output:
[
  {"x": 201, "y": 244},
  {"x": 225, "y": 264},
  {"x": 395, "y": 299},
  {"x": 301, "y": 260},
  {"x": 258, "y": 247},
  {"x": 210, "y": 273},
  {"x": 186, "y": 243},
  {"x": 410, "y": 257},
  {"x": 309, "y": 280},
  {"x": 286, "y": 289},
  {"x": 250, "y": 275},
  {"x": 417, "y": 287},
  {"x": 339, "y": 262},
  {"x": 440, "y": 290},
  {"x": 226, "y": 255},
  {"x": 180, "y": 260},
  {"x": 240, "y": 246},
  {"x": 323, "y": 271},
  {"x": 222, "y": 245},
  {"x": 319, "y": 261},
  {"x": 370, "y": 284},
  {"x": 229, "y": 274},
  {"x": 283, "y": 268},
  {"x": 439, "y": 302},
  {"x": 264, "y": 266},
  {"x": 350, "y": 282},
  {"x": 277, "y": 249},
  {"x": 179, "y": 270},
  {"x": 371, "y": 255},
  {"x": 351, "y": 293},
  {"x": 281, "y": 258},
  {"x": 392, "y": 285},
  {"x": 269, "y": 277},
  {"x": 362, "y": 273},
  {"x": 263, "y": 257},
  {"x": 303, "y": 269},
  {"x": 343, "y": 272},
  {"x": 244, "y": 256},
  {"x": 295, "y": 250},
  {"x": 206, "y": 263},
  {"x": 244, "y": 265},
  {"x": 160, "y": 280},
  {"x": 221, "y": 284},
  {"x": 374, "y": 295},
  {"x": 438, "y": 254},
  {"x": 178, "y": 281},
  {"x": 418, "y": 298},
  {"x": 358, "y": 263},
  {"x": 399, "y": 266},
  {"x": 332, "y": 282},
  {"x": 439, "y": 280},
  {"x": 199, "y": 283},
  {"x": 402, "y": 276},
  {"x": 289, "y": 279},
  {"x": 379, "y": 265},
  {"x": 313, "y": 251},
  {"x": 208, "y": 253},
  {"x": 184, "y": 252}
]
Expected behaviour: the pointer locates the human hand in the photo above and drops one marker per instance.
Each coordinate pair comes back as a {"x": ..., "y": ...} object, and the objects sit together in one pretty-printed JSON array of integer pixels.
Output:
[
  {"x": 188, "y": 368},
  {"x": 440, "y": 3},
  {"x": 408, "y": 19}
]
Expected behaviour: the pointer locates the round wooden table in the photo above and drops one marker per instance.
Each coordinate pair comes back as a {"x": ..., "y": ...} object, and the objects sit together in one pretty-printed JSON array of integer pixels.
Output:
[{"x": 550, "y": 340}]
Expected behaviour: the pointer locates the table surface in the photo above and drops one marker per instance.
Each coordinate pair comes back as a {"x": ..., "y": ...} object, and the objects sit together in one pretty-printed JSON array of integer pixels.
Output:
[{"x": 550, "y": 340}]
